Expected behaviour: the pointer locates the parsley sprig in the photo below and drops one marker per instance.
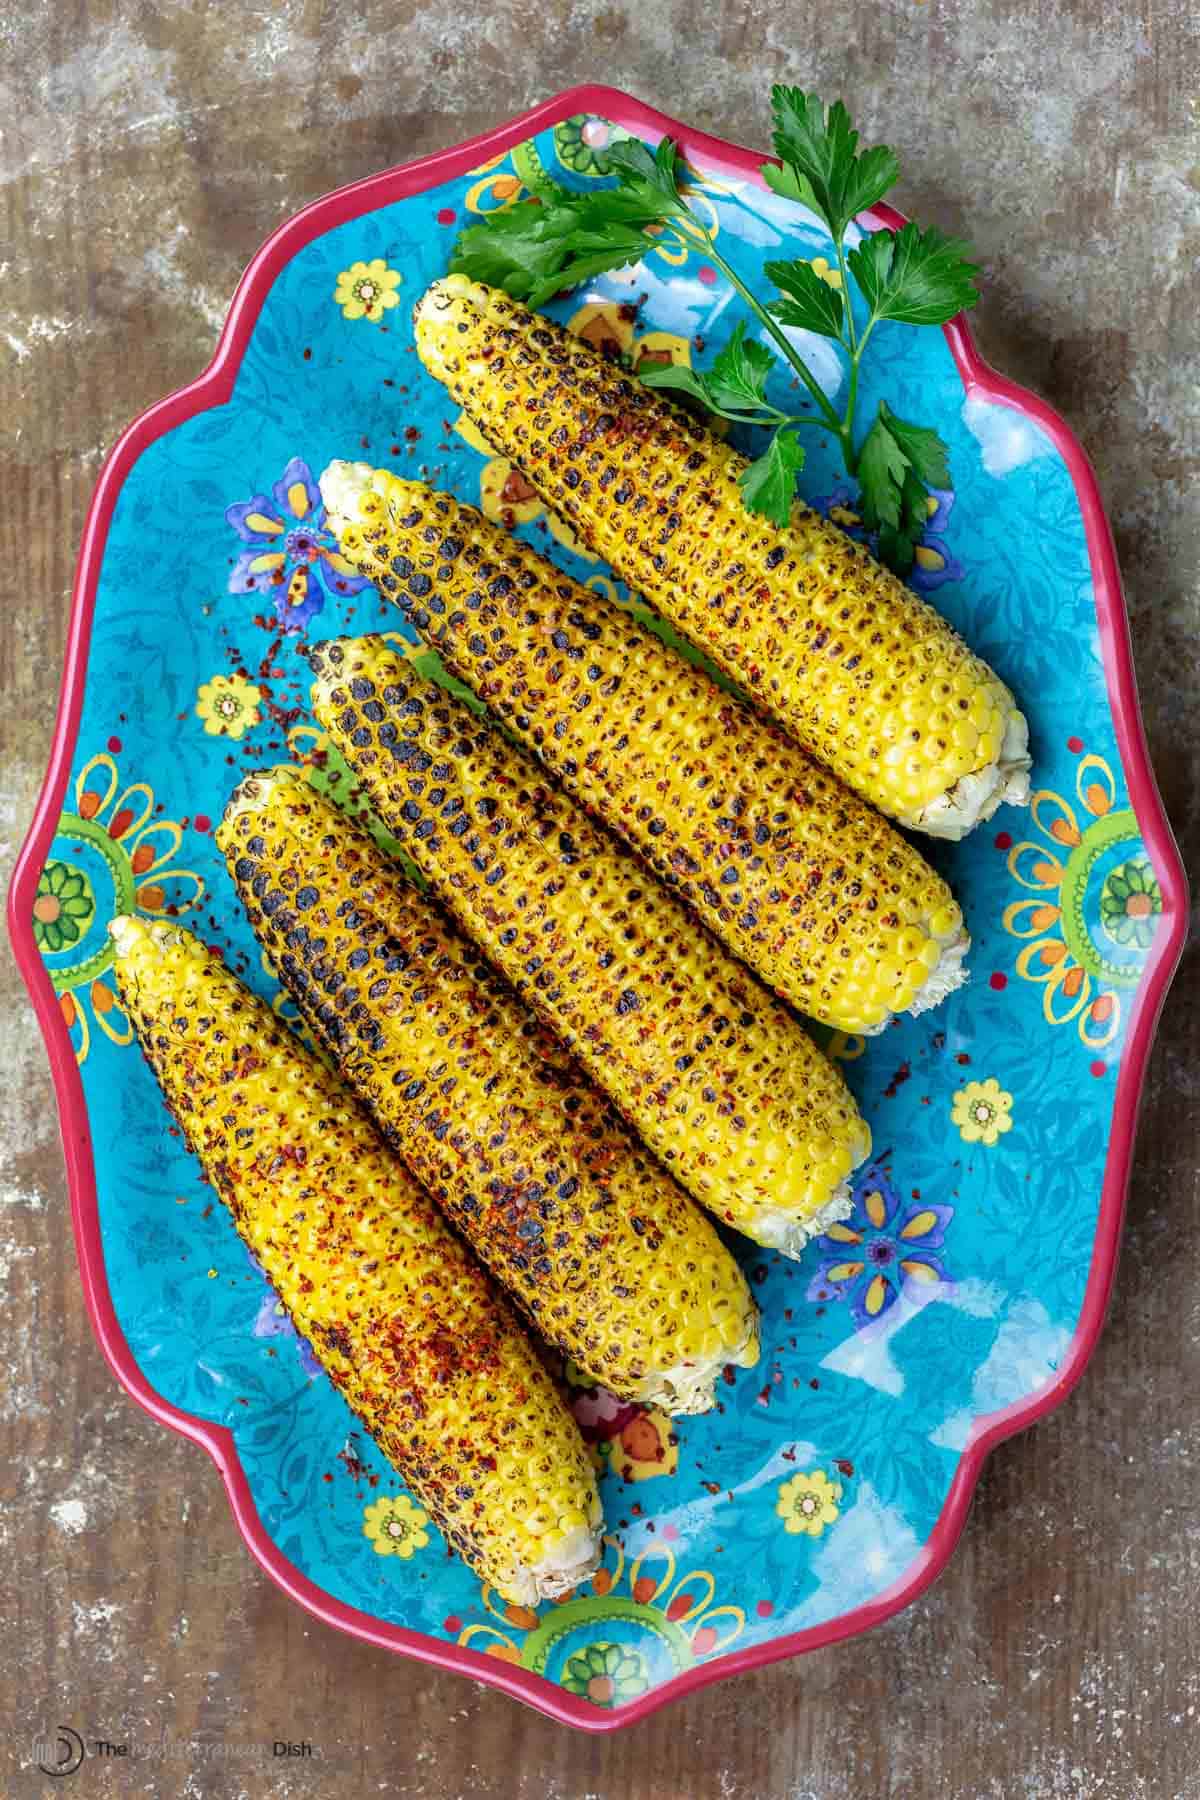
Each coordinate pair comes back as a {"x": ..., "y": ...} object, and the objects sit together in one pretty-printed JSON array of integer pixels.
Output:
[{"x": 915, "y": 276}]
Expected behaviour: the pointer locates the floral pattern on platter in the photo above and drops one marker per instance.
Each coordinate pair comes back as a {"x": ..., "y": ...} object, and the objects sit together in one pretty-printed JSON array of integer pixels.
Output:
[
  {"x": 396, "y": 1526},
  {"x": 1095, "y": 903},
  {"x": 868, "y": 1258},
  {"x": 658, "y": 1621},
  {"x": 982, "y": 1111},
  {"x": 113, "y": 854},
  {"x": 809, "y": 1503},
  {"x": 367, "y": 290},
  {"x": 229, "y": 705},
  {"x": 64, "y": 908},
  {"x": 292, "y": 560},
  {"x": 636, "y": 1442},
  {"x": 865, "y": 1384}
]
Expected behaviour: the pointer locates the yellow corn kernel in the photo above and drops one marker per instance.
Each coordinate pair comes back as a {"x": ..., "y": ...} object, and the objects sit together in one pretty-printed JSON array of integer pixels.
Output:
[
  {"x": 518, "y": 1148},
  {"x": 715, "y": 1074},
  {"x": 406, "y": 1324},
  {"x": 786, "y": 612},
  {"x": 796, "y": 874}
]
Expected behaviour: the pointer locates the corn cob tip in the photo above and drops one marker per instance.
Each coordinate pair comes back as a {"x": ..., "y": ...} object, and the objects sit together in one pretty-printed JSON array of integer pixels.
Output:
[
  {"x": 974, "y": 798},
  {"x": 438, "y": 319},
  {"x": 251, "y": 794},
  {"x": 343, "y": 485},
  {"x": 692, "y": 1387},
  {"x": 129, "y": 934}
]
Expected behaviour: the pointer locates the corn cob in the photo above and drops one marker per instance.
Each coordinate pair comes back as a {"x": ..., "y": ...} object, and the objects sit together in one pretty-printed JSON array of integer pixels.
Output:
[
  {"x": 869, "y": 678},
  {"x": 796, "y": 874},
  {"x": 714, "y": 1073},
  {"x": 405, "y": 1323},
  {"x": 609, "y": 1259}
]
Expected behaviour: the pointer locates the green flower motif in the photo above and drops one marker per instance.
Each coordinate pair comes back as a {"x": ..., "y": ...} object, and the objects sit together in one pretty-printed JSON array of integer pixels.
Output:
[
  {"x": 1130, "y": 902},
  {"x": 63, "y": 907},
  {"x": 582, "y": 143},
  {"x": 606, "y": 1674}
]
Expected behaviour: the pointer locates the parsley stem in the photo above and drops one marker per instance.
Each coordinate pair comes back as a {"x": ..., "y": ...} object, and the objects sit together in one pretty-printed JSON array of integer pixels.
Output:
[
  {"x": 793, "y": 357},
  {"x": 847, "y": 296}
]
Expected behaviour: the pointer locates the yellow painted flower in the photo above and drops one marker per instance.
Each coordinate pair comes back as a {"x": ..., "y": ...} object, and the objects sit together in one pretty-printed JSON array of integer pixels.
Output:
[
  {"x": 367, "y": 290},
  {"x": 821, "y": 267},
  {"x": 396, "y": 1526},
  {"x": 982, "y": 1111},
  {"x": 809, "y": 1503},
  {"x": 229, "y": 706}
]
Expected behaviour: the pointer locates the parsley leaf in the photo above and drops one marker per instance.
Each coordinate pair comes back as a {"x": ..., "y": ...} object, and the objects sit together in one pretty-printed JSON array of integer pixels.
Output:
[
  {"x": 514, "y": 250},
  {"x": 810, "y": 304},
  {"x": 769, "y": 484},
  {"x": 790, "y": 184},
  {"x": 651, "y": 176},
  {"x": 738, "y": 377},
  {"x": 678, "y": 376},
  {"x": 922, "y": 446},
  {"x": 823, "y": 149},
  {"x": 882, "y": 466},
  {"x": 919, "y": 277}
]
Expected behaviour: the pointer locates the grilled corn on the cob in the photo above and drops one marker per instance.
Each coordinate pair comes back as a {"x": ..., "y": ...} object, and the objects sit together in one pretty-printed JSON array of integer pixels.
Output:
[
  {"x": 607, "y": 1256},
  {"x": 866, "y": 676},
  {"x": 715, "y": 1074},
  {"x": 406, "y": 1324},
  {"x": 816, "y": 892}
]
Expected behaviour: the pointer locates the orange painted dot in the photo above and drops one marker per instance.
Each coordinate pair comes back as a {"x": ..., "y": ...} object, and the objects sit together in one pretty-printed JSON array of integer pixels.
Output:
[
  {"x": 681, "y": 1604},
  {"x": 151, "y": 896},
  {"x": 1097, "y": 798},
  {"x": 704, "y": 1640},
  {"x": 141, "y": 859},
  {"x": 1072, "y": 982},
  {"x": 89, "y": 805},
  {"x": 1139, "y": 906},
  {"x": 600, "y": 1689},
  {"x": 119, "y": 824},
  {"x": 602, "y": 1582},
  {"x": 1048, "y": 873},
  {"x": 503, "y": 1653},
  {"x": 102, "y": 997},
  {"x": 46, "y": 908},
  {"x": 1101, "y": 1008},
  {"x": 1051, "y": 954},
  {"x": 644, "y": 1589},
  {"x": 1064, "y": 833},
  {"x": 1042, "y": 916},
  {"x": 68, "y": 1009}
]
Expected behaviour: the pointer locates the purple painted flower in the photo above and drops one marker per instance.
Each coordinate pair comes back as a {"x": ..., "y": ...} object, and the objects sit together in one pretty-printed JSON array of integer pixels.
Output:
[
  {"x": 272, "y": 1321},
  {"x": 867, "y": 1258},
  {"x": 839, "y": 506},
  {"x": 292, "y": 559},
  {"x": 933, "y": 563}
]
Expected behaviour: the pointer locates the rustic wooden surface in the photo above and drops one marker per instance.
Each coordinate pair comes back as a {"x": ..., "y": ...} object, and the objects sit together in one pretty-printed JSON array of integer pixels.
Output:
[{"x": 145, "y": 151}]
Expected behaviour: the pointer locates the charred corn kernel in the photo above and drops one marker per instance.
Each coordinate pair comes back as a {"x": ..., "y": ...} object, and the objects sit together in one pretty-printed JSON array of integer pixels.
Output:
[
  {"x": 715, "y": 1074},
  {"x": 520, "y": 1150},
  {"x": 793, "y": 871},
  {"x": 406, "y": 1324},
  {"x": 809, "y": 624}
]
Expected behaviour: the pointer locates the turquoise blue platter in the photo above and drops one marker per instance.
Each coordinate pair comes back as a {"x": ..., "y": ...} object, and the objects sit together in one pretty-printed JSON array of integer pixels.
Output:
[{"x": 965, "y": 1294}]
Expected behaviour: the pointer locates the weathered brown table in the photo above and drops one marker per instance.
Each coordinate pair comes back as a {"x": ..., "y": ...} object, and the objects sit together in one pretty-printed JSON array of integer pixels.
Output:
[{"x": 145, "y": 151}]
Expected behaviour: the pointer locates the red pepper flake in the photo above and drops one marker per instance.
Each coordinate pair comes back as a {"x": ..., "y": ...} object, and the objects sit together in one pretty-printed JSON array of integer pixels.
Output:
[
  {"x": 814, "y": 1383},
  {"x": 843, "y": 1466},
  {"x": 903, "y": 1074},
  {"x": 307, "y": 355},
  {"x": 962, "y": 1059}
]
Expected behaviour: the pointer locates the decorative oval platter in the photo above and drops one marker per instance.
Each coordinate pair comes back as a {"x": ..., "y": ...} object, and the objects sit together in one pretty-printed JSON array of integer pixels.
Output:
[{"x": 963, "y": 1297}]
